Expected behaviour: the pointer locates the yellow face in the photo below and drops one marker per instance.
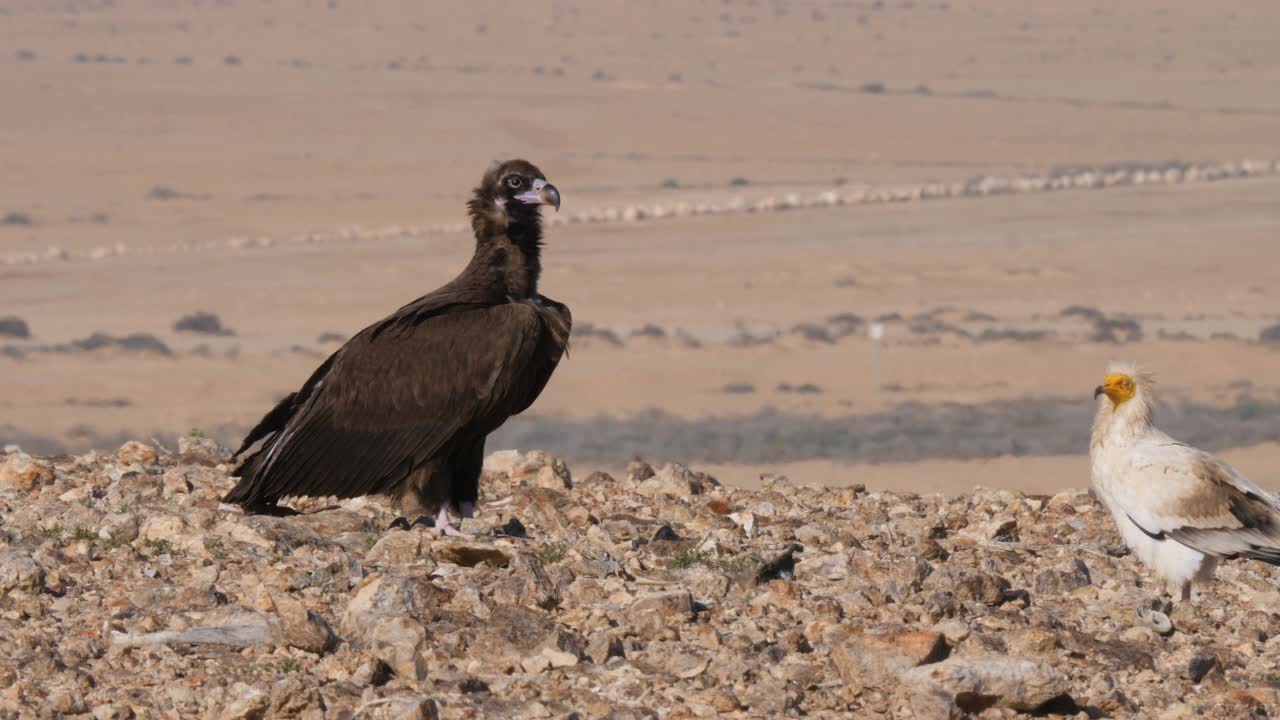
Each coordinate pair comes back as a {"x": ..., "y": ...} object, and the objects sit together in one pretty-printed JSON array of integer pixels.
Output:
[{"x": 1118, "y": 387}]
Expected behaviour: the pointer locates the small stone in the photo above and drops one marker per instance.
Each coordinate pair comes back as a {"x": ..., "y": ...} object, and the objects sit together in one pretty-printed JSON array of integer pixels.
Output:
[
  {"x": 471, "y": 554},
  {"x": 176, "y": 483},
  {"x": 501, "y": 462},
  {"x": 403, "y": 708},
  {"x": 245, "y": 703},
  {"x": 603, "y": 645},
  {"x": 401, "y": 547},
  {"x": 969, "y": 585},
  {"x": 18, "y": 571},
  {"x": 971, "y": 684},
  {"x": 1056, "y": 581},
  {"x": 24, "y": 473},
  {"x": 559, "y": 650},
  {"x": 876, "y": 658},
  {"x": 200, "y": 450},
  {"x": 956, "y": 631},
  {"x": 638, "y": 471},
  {"x": 113, "y": 711},
  {"x": 1156, "y": 620},
  {"x": 137, "y": 453},
  {"x": 401, "y": 643},
  {"x": 1033, "y": 641},
  {"x": 652, "y": 614}
]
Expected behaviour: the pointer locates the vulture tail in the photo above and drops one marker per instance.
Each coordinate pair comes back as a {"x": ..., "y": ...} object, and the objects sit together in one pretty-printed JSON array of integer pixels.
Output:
[
  {"x": 273, "y": 421},
  {"x": 248, "y": 492}
]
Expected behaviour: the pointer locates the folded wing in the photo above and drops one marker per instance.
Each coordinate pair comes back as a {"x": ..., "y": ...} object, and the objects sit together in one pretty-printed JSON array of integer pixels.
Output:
[
  {"x": 393, "y": 396},
  {"x": 1171, "y": 490}
]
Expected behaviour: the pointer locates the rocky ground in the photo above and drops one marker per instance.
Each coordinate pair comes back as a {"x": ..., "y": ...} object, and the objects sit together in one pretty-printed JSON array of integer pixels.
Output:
[{"x": 129, "y": 591}]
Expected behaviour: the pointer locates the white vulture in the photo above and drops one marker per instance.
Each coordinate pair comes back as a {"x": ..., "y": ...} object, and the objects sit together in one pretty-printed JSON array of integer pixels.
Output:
[{"x": 1178, "y": 508}]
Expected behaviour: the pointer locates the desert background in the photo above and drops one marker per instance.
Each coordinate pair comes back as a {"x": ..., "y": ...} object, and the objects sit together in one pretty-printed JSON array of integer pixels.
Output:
[{"x": 747, "y": 187}]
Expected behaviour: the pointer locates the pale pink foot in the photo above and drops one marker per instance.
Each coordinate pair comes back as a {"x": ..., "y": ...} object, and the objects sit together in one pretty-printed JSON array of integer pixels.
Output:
[{"x": 445, "y": 525}]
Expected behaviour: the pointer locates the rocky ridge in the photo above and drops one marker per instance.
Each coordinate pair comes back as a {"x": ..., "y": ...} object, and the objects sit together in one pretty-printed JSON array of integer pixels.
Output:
[{"x": 128, "y": 591}]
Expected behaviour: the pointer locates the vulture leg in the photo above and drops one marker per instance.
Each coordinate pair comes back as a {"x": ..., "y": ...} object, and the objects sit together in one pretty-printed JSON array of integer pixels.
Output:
[
  {"x": 465, "y": 467},
  {"x": 445, "y": 526}
]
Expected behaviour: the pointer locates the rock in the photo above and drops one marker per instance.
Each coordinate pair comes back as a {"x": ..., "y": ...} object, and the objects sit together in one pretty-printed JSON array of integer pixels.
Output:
[
  {"x": 165, "y": 532},
  {"x": 137, "y": 453},
  {"x": 470, "y": 554},
  {"x": 1191, "y": 662},
  {"x": 502, "y": 462},
  {"x": 401, "y": 643},
  {"x": 1060, "y": 581},
  {"x": 1156, "y": 620},
  {"x": 528, "y": 583},
  {"x": 293, "y": 698},
  {"x": 558, "y": 650},
  {"x": 969, "y": 585},
  {"x": 639, "y": 471},
  {"x": 973, "y": 683},
  {"x": 673, "y": 659},
  {"x": 19, "y": 571},
  {"x": 113, "y": 711},
  {"x": 23, "y": 473},
  {"x": 513, "y": 635},
  {"x": 830, "y": 566},
  {"x": 390, "y": 596},
  {"x": 245, "y": 703},
  {"x": 541, "y": 469},
  {"x": 875, "y": 659},
  {"x": 303, "y": 629},
  {"x": 603, "y": 645},
  {"x": 674, "y": 480},
  {"x": 200, "y": 450},
  {"x": 650, "y": 615},
  {"x": 129, "y": 587},
  {"x": 1033, "y": 641},
  {"x": 176, "y": 483},
  {"x": 402, "y": 547},
  {"x": 402, "y": 708}
]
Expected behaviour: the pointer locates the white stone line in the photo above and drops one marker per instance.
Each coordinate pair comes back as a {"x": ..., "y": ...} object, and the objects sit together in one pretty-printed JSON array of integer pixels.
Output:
[{"x": 985, "y": 186}]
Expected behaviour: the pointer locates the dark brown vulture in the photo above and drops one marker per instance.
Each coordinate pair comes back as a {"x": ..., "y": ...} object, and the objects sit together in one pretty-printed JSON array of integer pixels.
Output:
[{"x": 404, "y": 407}]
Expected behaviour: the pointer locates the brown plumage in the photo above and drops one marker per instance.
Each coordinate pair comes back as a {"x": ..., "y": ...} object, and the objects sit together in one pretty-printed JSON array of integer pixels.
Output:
[{"x": 404, "y": 407}]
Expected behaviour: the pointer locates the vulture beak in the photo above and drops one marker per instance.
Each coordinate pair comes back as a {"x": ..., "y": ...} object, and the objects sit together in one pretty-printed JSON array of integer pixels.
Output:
[
  {"x": 543, "y": 193},
  {"x": 1098, "y": 391}
]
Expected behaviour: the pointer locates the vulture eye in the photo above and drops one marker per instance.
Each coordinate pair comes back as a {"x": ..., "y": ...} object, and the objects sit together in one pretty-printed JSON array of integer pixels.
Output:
[{"x": 515, "y": 181}]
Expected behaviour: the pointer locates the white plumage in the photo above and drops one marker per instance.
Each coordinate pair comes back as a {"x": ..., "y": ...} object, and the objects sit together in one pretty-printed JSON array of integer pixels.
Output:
[{"x": 1178, "y": 508}]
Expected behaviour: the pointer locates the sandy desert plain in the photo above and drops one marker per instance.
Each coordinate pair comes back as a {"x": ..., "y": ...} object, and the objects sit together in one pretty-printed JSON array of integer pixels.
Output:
[{"x": 299, "y": 169}]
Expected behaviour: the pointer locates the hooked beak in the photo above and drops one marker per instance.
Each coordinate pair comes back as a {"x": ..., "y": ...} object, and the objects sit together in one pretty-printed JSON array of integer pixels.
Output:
[
  {"x": 543, "y": 193},
  {"x": 1098, "y": 391}
]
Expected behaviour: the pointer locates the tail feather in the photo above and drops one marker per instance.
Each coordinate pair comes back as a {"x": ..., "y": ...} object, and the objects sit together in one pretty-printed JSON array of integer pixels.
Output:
[
  {"x": 246, "y": 492},
  {"x": 272, "y": 422}
]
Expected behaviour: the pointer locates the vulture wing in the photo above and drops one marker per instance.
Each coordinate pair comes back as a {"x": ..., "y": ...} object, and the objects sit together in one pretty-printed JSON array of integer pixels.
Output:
[
  {"x": 1173, "y": 490},
  {"x": 394, "y": 395}
]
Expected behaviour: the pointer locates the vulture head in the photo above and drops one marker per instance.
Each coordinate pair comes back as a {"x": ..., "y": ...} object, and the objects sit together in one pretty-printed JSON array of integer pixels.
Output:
[{"x": 509, "y": 196}]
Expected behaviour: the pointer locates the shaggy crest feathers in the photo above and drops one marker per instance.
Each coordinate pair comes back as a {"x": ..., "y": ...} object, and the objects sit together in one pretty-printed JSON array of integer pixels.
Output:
[{"x": 1134, "y": 416}]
